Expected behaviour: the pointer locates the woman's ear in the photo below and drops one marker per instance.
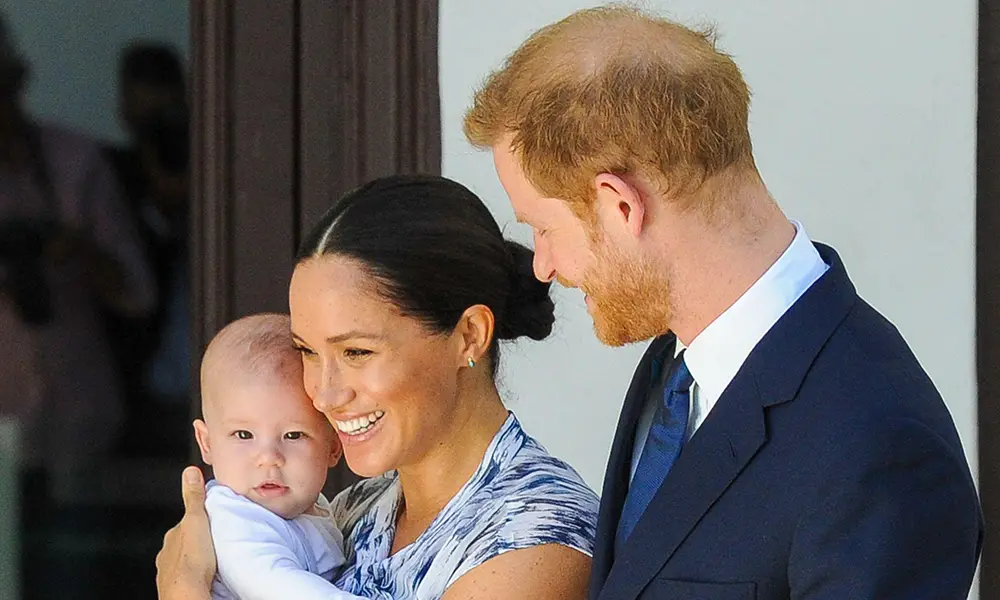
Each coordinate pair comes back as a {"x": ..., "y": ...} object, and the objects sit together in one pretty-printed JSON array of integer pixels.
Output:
[
  {"x": 474, "y": 333},
  {"x": 204, "y": 441}
]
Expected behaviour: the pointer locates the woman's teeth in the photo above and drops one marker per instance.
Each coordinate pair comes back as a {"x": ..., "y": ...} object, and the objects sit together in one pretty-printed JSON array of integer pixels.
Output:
[{"x": 359, "y": 425}]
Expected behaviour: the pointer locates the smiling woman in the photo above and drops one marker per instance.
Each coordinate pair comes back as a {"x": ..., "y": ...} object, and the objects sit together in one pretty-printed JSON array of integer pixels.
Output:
[
  {"x": 398, "y": 300},
  {"x": 397, "y": 287}
]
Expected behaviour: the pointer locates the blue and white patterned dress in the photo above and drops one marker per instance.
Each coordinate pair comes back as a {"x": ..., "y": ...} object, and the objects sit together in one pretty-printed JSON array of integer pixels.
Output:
[{"x": 519, "y": 497}]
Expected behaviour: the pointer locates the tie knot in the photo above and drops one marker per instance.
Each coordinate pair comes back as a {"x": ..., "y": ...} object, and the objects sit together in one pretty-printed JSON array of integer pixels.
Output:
[{"x": 680, "y": 379}]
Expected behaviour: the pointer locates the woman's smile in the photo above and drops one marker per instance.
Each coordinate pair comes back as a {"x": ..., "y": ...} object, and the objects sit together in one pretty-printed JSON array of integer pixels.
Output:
[
  {"x": 360, "y": 429},
  {"x": 359, "y": 424}
]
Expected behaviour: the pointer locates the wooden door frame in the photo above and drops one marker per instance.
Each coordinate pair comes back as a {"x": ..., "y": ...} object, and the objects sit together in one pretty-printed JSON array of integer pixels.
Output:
[{"x": 988, "y": 288}]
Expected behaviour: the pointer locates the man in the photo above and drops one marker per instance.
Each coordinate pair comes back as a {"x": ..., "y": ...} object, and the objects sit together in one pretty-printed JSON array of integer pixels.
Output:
[{"x": 779, "y": 439}]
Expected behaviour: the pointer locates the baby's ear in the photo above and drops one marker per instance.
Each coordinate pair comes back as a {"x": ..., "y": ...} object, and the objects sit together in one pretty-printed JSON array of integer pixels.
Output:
[
  {"x": 204, "y": 442},
  {"x": 336, "y": 452}
]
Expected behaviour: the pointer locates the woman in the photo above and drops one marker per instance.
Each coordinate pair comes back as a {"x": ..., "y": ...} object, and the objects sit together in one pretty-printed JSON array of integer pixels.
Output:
[{"x": 397, "y": 302}]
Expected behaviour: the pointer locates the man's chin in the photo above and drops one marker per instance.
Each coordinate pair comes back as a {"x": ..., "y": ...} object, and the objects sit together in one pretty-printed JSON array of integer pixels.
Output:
[
  {"x": 617, "y": 333},
  {"x": 610, "y": 334}
]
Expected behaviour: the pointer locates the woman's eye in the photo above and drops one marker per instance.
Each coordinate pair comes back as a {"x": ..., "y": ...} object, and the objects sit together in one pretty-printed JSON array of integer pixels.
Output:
[
  {"x": 294, "y": 435},
  {"x": 243, "y": 434},
  {"x": 305, "y": 351},
  {"x": 356, "y": 352}
]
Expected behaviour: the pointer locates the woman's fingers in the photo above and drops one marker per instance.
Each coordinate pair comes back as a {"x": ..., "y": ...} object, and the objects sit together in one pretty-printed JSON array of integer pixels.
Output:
[
  {"x": 193, "y": 491},
  {"x": 187, "y": 560}
]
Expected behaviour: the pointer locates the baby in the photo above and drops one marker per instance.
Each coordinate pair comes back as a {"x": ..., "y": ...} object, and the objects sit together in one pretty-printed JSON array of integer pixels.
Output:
[{"x": 270, "y": 451}]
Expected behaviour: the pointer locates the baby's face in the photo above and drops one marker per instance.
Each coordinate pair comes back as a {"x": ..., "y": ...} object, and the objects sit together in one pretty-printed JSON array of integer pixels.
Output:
[{"x": 268, "y": 443}]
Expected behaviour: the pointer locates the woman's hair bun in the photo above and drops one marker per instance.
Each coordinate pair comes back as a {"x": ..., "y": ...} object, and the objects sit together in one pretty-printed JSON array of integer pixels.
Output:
[{"x": 529, "y": 311}]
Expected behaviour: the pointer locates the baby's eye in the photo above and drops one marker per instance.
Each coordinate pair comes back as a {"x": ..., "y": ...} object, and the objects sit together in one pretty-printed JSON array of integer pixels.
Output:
[
  {"x": 294, "y": 435},
  {"x": 243, "y": 434}
]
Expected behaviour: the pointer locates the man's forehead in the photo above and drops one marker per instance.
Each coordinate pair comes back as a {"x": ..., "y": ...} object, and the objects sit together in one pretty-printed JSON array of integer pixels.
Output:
[{"x": 528, "y": 211}]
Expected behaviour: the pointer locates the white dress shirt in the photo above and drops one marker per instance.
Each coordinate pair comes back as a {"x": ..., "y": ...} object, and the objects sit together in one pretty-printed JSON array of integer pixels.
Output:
[
  {"x": 262, "y": 556},
  {"x": 716, "y": 355}
]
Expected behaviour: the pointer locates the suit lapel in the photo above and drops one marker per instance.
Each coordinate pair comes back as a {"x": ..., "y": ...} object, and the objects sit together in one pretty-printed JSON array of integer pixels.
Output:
[
  {"x": 708, "y": 464},
  {"x": 729, "y": 438},
  {"x": 616, "y": 476}
]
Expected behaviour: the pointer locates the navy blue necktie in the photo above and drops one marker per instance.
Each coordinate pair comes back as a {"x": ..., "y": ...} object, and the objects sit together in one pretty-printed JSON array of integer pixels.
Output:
[{"x": 663, "y": 445}]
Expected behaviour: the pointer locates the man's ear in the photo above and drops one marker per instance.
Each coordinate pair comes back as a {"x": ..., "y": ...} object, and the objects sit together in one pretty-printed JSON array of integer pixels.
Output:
[
  {"x": 204, "y": 441},
  {"x": 336, "y": 452},
  {"x": 620, "y": 203}
]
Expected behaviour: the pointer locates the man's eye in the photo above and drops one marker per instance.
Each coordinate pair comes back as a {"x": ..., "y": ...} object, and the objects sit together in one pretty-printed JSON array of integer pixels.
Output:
[
  {"x": 243, "y": 434},
  {"x": 356, "y": 352},
  {"x": 304, "y": 351},
  {"x": 294, "y": 435}
]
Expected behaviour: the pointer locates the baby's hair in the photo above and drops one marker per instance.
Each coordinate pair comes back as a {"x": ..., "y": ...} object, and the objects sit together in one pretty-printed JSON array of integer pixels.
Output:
[{"x": 255, "y": 346}]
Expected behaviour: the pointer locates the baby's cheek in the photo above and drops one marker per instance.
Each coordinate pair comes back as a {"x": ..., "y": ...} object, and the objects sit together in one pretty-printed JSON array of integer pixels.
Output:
[{"x": 314, "y": 459}]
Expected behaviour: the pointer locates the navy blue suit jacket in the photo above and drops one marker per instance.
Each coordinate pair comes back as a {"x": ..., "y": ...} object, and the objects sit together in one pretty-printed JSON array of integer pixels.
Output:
[{"x": 829, "y": 469}]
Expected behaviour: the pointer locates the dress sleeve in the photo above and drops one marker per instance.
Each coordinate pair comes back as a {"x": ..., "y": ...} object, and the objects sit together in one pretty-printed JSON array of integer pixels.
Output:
[
  {"x": 355, "y": 503},
  {"x": 537, "y": 509}
]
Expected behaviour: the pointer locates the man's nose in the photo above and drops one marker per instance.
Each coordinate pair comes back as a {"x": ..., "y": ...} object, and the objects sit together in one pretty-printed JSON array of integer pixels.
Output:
[{"x": 542, "y": 263}]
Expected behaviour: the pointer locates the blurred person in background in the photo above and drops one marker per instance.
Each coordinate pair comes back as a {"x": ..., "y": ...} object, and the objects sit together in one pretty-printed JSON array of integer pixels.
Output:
[
  {"x": 163, "y": 147},
  {"x": 151, "y": 351},
  {"x": 154, "y": 349},
  {"x": 151, "y": 82},
  {"x": 68, "y": 251}
]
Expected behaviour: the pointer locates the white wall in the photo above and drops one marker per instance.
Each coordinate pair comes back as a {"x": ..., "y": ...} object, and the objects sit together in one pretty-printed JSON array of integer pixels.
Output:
[
  {"x": 73, "y": 48},
  {"x": 863, "y": 123}
]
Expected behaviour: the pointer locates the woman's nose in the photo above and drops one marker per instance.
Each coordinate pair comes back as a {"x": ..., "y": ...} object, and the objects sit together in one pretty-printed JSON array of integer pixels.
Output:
[{"x": 331, "y": 398}]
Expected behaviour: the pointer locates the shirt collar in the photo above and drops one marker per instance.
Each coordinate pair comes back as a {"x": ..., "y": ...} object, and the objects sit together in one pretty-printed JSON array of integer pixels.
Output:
[{"x": 718, "y": 353}]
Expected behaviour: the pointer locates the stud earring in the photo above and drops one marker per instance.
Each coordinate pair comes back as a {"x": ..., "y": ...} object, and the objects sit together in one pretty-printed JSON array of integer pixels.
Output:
[{"x": 472, "y": 363}]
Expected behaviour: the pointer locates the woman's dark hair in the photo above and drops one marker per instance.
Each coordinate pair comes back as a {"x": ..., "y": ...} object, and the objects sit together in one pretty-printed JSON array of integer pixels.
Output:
[{"x": 435, "y": 250}]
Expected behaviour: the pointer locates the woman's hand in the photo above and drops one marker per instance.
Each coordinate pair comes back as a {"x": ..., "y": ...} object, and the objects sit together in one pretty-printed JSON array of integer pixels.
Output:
[{"x": 185, "y": 565}]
